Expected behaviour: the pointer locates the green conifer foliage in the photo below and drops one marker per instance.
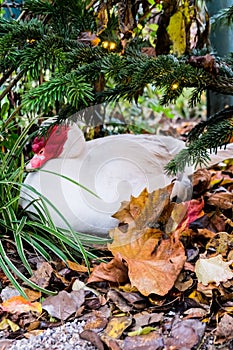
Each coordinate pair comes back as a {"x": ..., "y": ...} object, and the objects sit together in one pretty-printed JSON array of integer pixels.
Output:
[{"x": 68, "y": 55}]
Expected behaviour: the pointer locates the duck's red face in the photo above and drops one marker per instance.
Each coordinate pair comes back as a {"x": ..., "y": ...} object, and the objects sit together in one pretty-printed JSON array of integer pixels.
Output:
[{"x": 48, "y": 148}]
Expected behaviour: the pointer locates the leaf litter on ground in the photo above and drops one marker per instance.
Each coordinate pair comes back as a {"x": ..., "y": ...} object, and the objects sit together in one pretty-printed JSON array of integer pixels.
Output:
[{"x": 167, "y": 281}]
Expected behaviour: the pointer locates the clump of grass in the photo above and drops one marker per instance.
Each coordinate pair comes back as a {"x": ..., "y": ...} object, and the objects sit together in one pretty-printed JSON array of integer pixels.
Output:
[{"x": 16, "y": 227}]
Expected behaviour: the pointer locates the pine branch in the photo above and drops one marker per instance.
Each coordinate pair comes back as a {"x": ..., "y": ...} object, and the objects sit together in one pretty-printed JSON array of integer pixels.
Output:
[
  {"x": 66, "y": 18},
  {"x": 75, "y": 89},
  {"x": 132, "y": 74},
  {"x": 204, "y": 139},
  {"x": 223, "y": 17}
]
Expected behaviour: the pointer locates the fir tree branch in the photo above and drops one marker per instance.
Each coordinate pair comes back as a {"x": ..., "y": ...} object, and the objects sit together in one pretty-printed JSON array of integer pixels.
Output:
[
  {"x": 75, "y": 89},
  {"x": 204, "y": 139},
  {"x": 223, "y": 17}
]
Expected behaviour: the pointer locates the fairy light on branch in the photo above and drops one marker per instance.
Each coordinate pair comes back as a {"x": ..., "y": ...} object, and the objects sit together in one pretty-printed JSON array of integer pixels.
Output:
[
  {"x": 109, "y": 45},
  {"x": 175, "y": 86}
]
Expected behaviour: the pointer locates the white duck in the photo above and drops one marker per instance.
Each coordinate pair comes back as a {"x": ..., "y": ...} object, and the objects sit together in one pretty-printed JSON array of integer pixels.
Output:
[{"x": 113, "y": 167}]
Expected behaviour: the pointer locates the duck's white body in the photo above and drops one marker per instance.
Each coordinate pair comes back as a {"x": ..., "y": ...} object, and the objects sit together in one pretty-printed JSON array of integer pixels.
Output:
[{"x": 113, "y": 167}]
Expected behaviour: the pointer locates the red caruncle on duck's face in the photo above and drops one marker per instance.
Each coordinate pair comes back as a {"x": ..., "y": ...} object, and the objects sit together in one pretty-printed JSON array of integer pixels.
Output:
[{"x": 48, "y": 148}]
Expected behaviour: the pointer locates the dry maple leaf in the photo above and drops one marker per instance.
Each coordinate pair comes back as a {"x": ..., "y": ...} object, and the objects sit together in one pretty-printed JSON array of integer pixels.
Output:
[{"x": 153, "y": 262}]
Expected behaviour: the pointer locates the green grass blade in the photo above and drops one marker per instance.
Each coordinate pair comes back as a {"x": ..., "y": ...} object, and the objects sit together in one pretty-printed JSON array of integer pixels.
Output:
[
  {"x": 8, "y": 262},
  {"x": 19, "y": 243},
  {"x": 70, "y": 180},
  {"x": 37, "y": 246},
  {"x": 50, "y": 246}
]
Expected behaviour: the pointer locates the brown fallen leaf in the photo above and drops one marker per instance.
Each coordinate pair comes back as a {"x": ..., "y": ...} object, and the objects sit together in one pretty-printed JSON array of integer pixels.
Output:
[
  {"x": 33, "y": 325},
  {"x": 151, "y": 341},
  {"x": 183, "y": 282},
  {"x": 42, "y": 275},
  {"x": 93, "y": 338},
  {"x": 33, "y": 333},
  {"x": 157, "y": 272},
  {"x": 118, "y": 300},
  {"x": 115, "y": 271},
  {"x": 145, "y": 318},
  {"x": 32, "y": 294},
  {"x": 217, "y": 221},
  {"x": 95, "y": 323},
  {"x": 222, "y": 200},
  {"x": 145, "y": 213},
  {"x": 185, "y": 334},
  {"x": 201, "y": 180},
  {"x": 153, "y": 262},
  {"x": 77, "y": 267},
  {"x": 134, "y": 298},
  {"x": 225, "y": 327},
  {"x": 195, "y": 312},
  {"x": 63, "y": 305}
]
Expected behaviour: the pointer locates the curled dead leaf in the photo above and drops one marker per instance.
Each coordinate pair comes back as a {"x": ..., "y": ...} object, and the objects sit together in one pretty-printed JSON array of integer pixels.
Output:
[
  {"x": 115, "y": 271},
  {"x": 222, "y": 200}
]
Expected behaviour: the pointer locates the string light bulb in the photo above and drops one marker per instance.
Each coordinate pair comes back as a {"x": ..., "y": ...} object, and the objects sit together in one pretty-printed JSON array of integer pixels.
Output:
[
  {"x": 112, "y": 46},
  {"x": 174, "y": 86},
  {"x": 105, "y": 44}
]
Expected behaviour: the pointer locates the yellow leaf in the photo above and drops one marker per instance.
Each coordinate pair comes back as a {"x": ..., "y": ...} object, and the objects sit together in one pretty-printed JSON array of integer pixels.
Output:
[
  {"x": 117, "y": 325},
  {"x": 176, "y": 31},
  {"x": 5, "y": 323},
  {"x": 13, "y": 326}
]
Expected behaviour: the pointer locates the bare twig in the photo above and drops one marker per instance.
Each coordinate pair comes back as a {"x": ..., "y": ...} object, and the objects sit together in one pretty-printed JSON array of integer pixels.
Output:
[
  {"x": 91, "y": 4},
  {"x": 12, "y": 83},
  {"x": 13, "y": 114},
  {"x": 6, "y": 76}
]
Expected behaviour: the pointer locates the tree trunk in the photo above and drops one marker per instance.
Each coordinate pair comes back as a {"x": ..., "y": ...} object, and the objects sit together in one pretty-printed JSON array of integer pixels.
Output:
[{"x": 221, "y": 40}]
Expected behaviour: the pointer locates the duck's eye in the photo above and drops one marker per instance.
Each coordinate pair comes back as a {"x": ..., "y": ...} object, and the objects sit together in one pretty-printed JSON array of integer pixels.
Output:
[{"x": 41, "y": 151}]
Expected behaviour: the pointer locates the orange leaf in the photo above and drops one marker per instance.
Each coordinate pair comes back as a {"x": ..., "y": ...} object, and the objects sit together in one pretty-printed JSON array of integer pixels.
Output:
[
  {"x": 157, "y": 273},
  {"x": 20, "y": 305},
  {"x": 76, "y": 267},
  {"x": 115, "y": 271}
]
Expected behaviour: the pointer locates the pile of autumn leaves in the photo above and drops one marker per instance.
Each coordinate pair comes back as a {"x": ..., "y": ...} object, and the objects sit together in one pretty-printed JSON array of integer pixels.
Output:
[
  {"x": 151, "y": 244},
  {"x": 163, "y": 251}
]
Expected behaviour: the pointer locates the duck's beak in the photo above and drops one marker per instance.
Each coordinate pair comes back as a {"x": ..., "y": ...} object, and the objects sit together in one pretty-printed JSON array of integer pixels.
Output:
[{"x": 37, "y": 161}]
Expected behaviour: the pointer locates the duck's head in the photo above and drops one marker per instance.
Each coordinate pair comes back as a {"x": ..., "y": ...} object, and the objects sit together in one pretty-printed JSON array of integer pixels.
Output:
[{"x": 61, "y": 141}]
